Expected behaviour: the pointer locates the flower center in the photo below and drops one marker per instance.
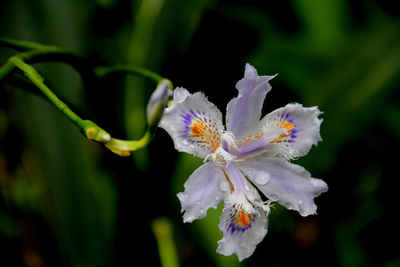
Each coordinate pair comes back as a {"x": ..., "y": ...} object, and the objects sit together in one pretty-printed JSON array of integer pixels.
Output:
[{"x": 221, "y": 155}]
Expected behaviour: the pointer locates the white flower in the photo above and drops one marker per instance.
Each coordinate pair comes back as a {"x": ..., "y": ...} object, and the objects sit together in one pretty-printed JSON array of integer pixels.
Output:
[{"x": 250, "y": 153}]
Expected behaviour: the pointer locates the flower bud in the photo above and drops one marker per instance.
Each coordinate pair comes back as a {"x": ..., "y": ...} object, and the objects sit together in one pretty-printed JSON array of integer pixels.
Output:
[{"x": 157, "y": 103}]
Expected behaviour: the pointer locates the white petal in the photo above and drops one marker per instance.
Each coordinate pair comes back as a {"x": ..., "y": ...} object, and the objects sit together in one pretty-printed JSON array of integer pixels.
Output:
[
  {"x": 202, "y": 191},
  {"x": 244, "y": 111},
  {"x": 289, "y": 184},
  {"x": 242, "y": 231},
  {"x": 180, "y": 95},
  {"x": 301, "y": 126},
  {"x": 244, "y": 218},
  {"x": 194, "y": 123}
]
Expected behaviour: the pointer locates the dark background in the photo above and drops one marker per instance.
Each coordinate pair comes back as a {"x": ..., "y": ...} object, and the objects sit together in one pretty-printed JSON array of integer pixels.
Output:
[{"x": 66, "y": 201}]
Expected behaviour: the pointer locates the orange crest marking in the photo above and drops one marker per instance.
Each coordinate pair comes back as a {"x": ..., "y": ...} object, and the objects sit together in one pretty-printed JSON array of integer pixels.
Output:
[
  {"x": 243, "y": 218},
  {"x": 288, "y": 126},
  {"x": 203, "y": 131},
  {"x": 285, "y": 136}
]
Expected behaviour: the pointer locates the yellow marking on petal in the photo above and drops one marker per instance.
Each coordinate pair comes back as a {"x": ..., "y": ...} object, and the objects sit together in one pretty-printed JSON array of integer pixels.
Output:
[
  {"x": 207, "y": 134},
  {"x": 287, "y": 126},
  {"x": 231, "y": 188},
  {"x": 252, "y": 137}
]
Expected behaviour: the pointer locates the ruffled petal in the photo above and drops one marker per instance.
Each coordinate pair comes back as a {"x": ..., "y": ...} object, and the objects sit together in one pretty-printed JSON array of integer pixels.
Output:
[
  {"x": 287, "y": 132},
  {"x": 194, "y": 123},
  {"x": 301, "y": 130},
  {"x": 243, "y": 221},
  {"x": 242, "y": 231},
  {"x": 202, "y": 191},
  {"x": 244, "y": 111},
  {"x": 290, "y": 185}
]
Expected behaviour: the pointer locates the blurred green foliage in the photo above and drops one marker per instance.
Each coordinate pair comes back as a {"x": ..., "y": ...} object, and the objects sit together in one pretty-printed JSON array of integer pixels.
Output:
[{"x": 68, "y": 202}]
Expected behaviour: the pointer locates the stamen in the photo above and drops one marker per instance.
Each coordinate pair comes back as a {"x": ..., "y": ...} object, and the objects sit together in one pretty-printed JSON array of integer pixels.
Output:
[
  {"x": 220, "y": 157},
  {"x": 229, "y": 138}
]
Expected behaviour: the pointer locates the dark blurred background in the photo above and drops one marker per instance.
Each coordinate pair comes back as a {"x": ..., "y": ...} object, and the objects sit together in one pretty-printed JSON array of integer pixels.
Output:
[{"x": 66, "y": 201}]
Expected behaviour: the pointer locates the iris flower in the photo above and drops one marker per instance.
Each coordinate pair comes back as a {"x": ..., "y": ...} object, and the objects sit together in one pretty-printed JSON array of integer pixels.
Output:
[{"x": 249, "y": 157}]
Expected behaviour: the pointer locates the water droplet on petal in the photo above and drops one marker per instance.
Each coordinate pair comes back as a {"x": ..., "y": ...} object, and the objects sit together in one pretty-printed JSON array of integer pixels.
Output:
[
  {"x": 273, "y": 197},
  {"x": 250, "y": 173},
  {"x": 247, "y": 187},
  {"x": 201, "y": 211},
  {"x": 262, "y": 179},
  {"x": 300, "y": 202},
  {"x": 185, "y": 142},
  {"x": 224, "y": 186},
  {"x": 289, "y": 206}
]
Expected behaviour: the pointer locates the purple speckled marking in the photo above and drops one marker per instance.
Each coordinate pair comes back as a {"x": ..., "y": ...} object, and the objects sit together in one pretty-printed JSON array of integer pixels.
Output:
[
  {"x": 233, "y": 227},
  {"x": 294, "y": 131},
  {"x": 187, "y": 118}
]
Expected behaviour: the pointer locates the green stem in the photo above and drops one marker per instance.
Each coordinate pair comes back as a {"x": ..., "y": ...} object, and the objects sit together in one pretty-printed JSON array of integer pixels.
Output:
[
  {"x": 123, "y": 147},
  {"x": 88, "y": 128},
  {"x": 122, "y": 70},
  {"x": 19, "y": 45},
  {"x": 33, "y": 53},
  {"x": 162, "y": 229}
]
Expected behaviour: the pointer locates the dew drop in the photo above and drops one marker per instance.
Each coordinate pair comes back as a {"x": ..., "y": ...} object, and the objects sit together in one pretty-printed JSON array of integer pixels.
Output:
[
  {"x": 201, "y": 211},
  {"x": 247, "y": 188},
  {"x": 224, "y": 186},
  {"x": 300, "y": 202},
  {"x": 262, "y": 179},
  {"x": 289, "y": 206},
  {"x": 250, "y": 173},
  {"x": 185, "y": 142},
  {"x": 273, "y": 197}
]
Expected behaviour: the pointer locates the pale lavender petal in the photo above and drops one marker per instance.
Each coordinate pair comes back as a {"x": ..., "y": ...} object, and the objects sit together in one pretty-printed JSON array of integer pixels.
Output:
[
  {"x": 302, "y": 127},
  {"x": 194, "y": 123},
  {"x": 290, "y": 185},
  {"x": 287, "y": 132},
  {"x": 241, "y": 239},
  {"x": 244, "y": 111},
  {"x": 202, "y": 191}
]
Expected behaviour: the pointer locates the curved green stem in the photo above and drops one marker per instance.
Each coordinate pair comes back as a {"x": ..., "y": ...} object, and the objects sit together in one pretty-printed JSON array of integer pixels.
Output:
[
  {"x": 123, "y": 147},
  {"x": 87, "y": 127},
  {"x": 103, "y": 72},
  {"x": 33, "y": 53}
]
